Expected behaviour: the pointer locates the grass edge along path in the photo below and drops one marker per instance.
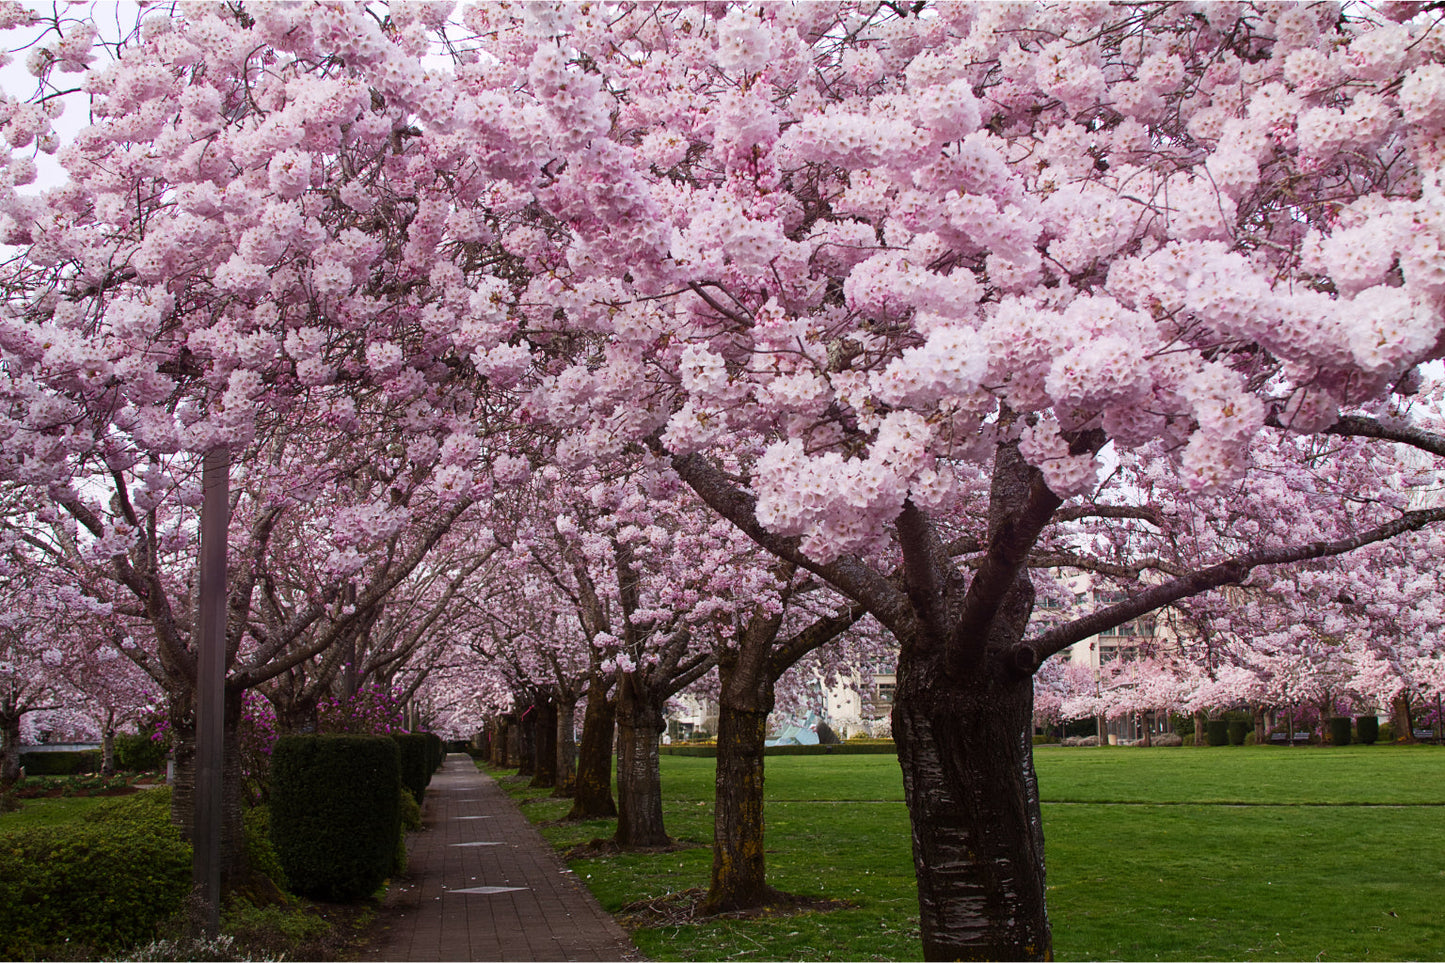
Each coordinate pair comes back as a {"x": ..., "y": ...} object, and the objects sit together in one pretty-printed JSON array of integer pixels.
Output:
[{"x": 1286, "y": 854}]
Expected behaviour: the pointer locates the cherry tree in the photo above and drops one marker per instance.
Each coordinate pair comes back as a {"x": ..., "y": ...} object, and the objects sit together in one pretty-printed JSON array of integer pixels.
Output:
[
  {"x": 887, "y": 286},
  {"x": 922, "y": 263},
  {"x": 43, "y": 630}
]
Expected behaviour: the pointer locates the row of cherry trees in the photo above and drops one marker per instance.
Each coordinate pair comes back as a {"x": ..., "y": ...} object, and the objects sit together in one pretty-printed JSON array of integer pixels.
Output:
[{"x": 711, "y": 328}]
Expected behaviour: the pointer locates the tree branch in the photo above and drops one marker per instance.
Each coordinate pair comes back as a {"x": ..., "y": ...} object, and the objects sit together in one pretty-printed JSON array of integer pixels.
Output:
[{"x": 1228, "y": 572}]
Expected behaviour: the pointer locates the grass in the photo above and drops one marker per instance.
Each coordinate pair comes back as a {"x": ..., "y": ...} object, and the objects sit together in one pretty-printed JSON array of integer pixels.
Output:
[
  {"x": 1266, "y": 853},
  {"x": 48, "y": 812}
]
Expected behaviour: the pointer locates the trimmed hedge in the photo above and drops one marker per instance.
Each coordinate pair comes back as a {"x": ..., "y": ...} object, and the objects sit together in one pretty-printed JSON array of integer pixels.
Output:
[
  {"x": 1238, "y": 730},
  {"x": 94, "y": 887},
  {"x": 416, "y": 764},
  {"x": 1217, "y": 731},
  {"x": 838, "y": 749},
  {"x": 437, "y": 753},
  {"x": 1340, "y": 730},
  {"x": 69, "y": 762},
  {"x": 335, "y": 813},
  {"x": 1368, "y": 728},
  {"x": 138, "y": 753}
]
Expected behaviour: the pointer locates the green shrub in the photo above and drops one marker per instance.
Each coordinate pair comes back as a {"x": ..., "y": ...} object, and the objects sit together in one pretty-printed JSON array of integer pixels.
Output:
[
  {"x": 1217, "y": 731},
  {"x": 1238, "y": 728},
  {"x": 436, "y": 753},
  {"x": 271, "y": 932},
  {"x": 1043, "y": 739},
  {"x": 1187, "y": 739},
  {"x": 416, "y": 766},
  {"x": 260, "y": 851},
  {"x": 1340, "y": 730},
  {"x": 100, "y": 886},
  {"x": 335, "y": 815},
  {"x": 410, "y": 811},
  {"x": 1368, "y": 728},
  {"x": 1387, "y": 732},
  {"x": 70, "y": 762},
  {"x": 138, "y": 753},
  {"x": 149, "y": 810},
  {"x": 1249, "y": 738}
]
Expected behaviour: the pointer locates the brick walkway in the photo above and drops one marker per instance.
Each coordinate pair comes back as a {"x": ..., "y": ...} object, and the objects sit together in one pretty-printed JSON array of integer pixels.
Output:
[{"x": 482, "y": 884}]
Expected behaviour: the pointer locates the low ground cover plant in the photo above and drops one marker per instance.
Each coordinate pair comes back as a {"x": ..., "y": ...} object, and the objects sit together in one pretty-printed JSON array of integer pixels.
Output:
[{"x": 84, "y": 877}]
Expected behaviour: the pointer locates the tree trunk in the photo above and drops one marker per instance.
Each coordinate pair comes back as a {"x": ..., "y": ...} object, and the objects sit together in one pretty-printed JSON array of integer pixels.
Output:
[
  {"x": 592, "y": 795},
  {"x": 639, "y": 774},
  {"x": 527, "y": 742},
  {"x": 545, "y": 744},
  {"x": 1261, "y": 736},
  {"x": 9, "y": 749},
  {"x": 973, "y": 799},
  {"x": 234, "y": 868},
  {"x": 501, "y": 733},
  {"x": 739, "y": 875},
  {"x": 1200, "y": 719},
  {"x": 107, "y": 746},
  {"x": 1400, "y": 716},
  {"x": 1146, "y": 738},
  {"x": 566, "y": 747}
]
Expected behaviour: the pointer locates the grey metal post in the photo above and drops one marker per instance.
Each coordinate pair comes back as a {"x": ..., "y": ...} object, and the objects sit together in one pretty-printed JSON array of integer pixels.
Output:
[{"x": 211, "y": 686}]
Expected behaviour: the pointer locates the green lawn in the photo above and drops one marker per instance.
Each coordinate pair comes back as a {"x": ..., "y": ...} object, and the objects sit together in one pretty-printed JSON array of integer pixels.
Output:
[
  {"x": 48, "y": 812},
  {"x": 1266, "y": 853}
]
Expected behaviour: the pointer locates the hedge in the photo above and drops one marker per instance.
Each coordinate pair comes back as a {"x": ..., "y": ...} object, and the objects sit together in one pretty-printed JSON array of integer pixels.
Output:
[
  {"x": 93, "y": 887},
  {"x": 1340, "y": 730},
  {"x": 837, "y": 749},
  {"x": 1369, "y": 729},
  {"x": 138, "y": 753},
  {"x": 437, "y": 753},
  {"x": 1217, "y": 732},
  {"x": 67, "y": 762},
  {"x": 416, "y": 764},
  {"x": 335, "y": 813}
]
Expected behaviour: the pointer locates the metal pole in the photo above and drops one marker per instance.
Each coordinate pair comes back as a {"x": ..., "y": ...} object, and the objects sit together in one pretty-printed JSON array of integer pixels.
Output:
[{"x": 211, "y": 687}]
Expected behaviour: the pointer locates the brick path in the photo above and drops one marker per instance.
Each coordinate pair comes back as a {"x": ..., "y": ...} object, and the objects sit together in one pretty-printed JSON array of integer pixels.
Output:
[{"x": 482, "y": 884}]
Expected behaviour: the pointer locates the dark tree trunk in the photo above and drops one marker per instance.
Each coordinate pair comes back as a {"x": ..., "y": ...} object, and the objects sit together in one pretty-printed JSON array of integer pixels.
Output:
[
  {"x": 1400, "y": 717},
  {"x": 739, "y": 872},
  {"x": 234, "y": 868},
  {"x": 1146, "y": 738},
  {"x": 640, "y": 723},
  {"x": 544, "y": 714},
  {"x": 592, "y": 795},
  {"x": 1261, "y": 737},
  {"x": 527, "y": 742},
  {"x": 966, "y": 751},
  {"x": 1199, "y": 727},
  {"x": 566, "y": 747},
  {"x": 501, "y": 733},
  {"x": 9, "y": 749}
]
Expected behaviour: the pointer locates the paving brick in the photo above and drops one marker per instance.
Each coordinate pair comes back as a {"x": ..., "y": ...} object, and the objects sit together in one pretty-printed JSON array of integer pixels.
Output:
[{"x": 550, "y": 916}]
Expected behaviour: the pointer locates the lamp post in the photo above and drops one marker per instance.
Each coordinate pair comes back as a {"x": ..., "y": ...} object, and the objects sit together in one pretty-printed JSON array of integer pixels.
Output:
[{"x": 211, "y": 687}]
